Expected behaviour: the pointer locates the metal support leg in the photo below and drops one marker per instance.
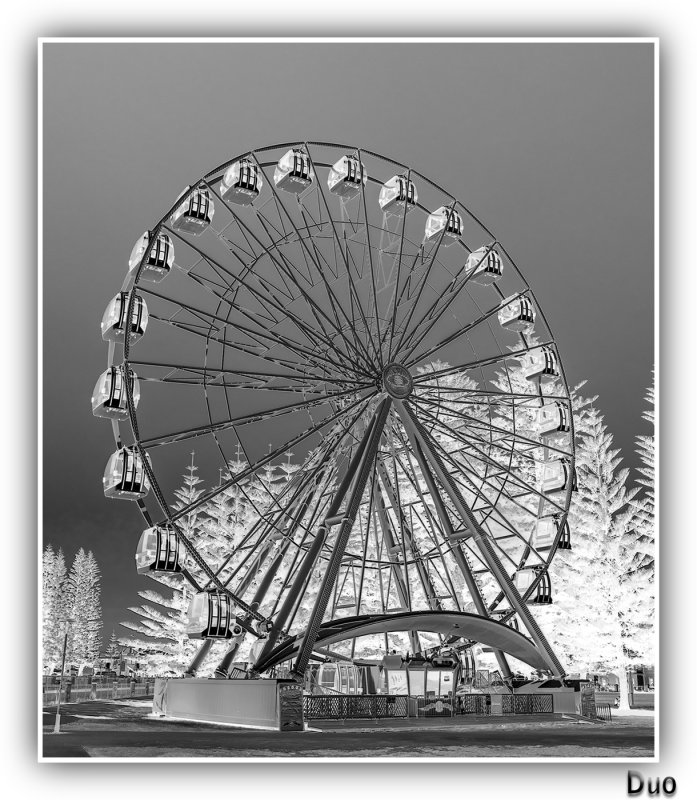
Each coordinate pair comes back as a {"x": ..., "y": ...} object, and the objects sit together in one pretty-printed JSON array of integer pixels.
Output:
[
  {"x": 302, "y": 576},
  {"x": 332, "y": 569},
  {"x": 459, "y": 556},
  {"x": 198, "y": 658},
  {"x": 399, "y": 578},
  {"x": 413, "y": 426}
]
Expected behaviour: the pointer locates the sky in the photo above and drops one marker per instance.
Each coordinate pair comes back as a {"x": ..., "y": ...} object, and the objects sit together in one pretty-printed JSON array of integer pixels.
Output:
[{"x": 551, "y": 145}]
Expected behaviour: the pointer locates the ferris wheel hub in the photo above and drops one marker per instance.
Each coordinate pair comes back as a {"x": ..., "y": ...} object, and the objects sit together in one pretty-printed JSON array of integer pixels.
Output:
[{"x": 397, "y": 381}]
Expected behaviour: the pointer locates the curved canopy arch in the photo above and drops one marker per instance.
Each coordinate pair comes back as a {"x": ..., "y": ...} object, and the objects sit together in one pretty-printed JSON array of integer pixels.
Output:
[{"x": 489, "y": 632}]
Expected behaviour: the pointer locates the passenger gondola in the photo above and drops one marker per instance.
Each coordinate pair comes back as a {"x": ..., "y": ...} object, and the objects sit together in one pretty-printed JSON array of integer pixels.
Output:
[
  {"x": 524, "y": 578},
  {"x": 241, "y": 183},
  {"x": 346, "y": 177},
  {"x": 397, "y": 196},
  {"x": 124, "y": 476},
  {"x": 517, "y": 315},
  {"x": 159, "y": 551},
  {"x": 541, "y": 362},
  {"x": 210, "y": 616},
  {"x": 336, "y": 677},
  {"x": 443, "y": 219},
  {"x": 556, "y": 476},
  {"x": 194, "y": 215},
  {"x": 293, "y": 172},
  {"x": 159, "y": 260},
  {"x": 114, "y": 319},
  {"x": 484, "y": 266},
  {"x": 553, "y": 418},
  {"x": 109, "y": 398}
]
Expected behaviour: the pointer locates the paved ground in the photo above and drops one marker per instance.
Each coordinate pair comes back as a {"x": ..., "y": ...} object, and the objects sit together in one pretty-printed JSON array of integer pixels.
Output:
[{"x": 123, "y": 729}]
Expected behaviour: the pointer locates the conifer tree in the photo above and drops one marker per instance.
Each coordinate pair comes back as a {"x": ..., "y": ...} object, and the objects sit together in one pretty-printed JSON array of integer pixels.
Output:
[
  {"x": 600, "y": 618},
  {"x": 53, "y": 605},
  {"x": 85, "y": 610}
]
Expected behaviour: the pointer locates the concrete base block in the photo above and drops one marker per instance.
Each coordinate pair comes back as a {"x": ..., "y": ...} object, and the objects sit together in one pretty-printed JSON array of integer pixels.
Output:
[{"x": 264, "y": 704}]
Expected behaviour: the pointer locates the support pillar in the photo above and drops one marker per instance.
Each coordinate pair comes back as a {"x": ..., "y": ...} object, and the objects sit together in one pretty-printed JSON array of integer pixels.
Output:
[{"x": 412, "y": 424}]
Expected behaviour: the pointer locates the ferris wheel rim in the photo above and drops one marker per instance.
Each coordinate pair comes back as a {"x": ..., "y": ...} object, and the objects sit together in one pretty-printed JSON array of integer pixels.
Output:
[{"x": 207, "y": 179}]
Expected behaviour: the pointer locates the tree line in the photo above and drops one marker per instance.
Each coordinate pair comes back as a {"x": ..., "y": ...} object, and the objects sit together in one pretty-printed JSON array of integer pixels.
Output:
[{"x": 71, "y": 603}]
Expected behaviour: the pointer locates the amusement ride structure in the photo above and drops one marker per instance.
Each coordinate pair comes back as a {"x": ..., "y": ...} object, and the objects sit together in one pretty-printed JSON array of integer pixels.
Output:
[{"x": 321, "y": 303}]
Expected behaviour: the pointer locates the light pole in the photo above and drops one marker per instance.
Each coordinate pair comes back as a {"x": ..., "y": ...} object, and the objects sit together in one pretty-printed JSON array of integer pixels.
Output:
[{"x": 57, "y": 726}]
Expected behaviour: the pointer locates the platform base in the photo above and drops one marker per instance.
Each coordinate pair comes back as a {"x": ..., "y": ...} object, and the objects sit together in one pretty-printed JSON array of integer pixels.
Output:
[{"x": 261, "y": 704}]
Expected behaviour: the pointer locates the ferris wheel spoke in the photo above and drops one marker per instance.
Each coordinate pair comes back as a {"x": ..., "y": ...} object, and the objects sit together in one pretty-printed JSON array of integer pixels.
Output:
[
  {"x": 480, "y": 456},
  {"x": 474, "y": 480},
  {"x": 422, "y": 281},
  {"x": 372, "y": 268},
  {"x": 334, "y": 301},
  {"x": 505, "y": 433},
  {"x": 443, "y": 302},
  {"x": 408, "y": 540},
  {"x": 284, "y": 520},
  {"x": 431, "y": 525},
  {"x": 337, "y": 243},
  {"x": 251, "y": 469},
  {"x": 207, "y": 375},
  {"x": 409, "y": 357},
  {"x": 260, "y": 336},
  {"x": 245, "y": 419},
  {"x": 238, "y": 346},
  {"x": 266, "y": 299},
  {"x": 477, "y": 479},
  {"x": 483, "y": 362},
  {"x": 396, "y": 285}
]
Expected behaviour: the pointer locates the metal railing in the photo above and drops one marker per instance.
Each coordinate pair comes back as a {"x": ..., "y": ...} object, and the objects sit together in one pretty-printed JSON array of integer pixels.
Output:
[
  {"x": 473, "y": 704},
  {"x": 363, "y": 706},
  {"x": 527, "y": 704}
]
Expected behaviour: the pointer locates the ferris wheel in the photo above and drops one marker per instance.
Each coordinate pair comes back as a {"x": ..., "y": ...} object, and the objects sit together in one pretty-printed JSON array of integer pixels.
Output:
[{"x": 323, "y": 304}]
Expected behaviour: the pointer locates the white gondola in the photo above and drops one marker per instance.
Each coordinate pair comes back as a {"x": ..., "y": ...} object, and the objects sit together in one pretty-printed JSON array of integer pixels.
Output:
[
  {"x": 546, "y": 532},
  {"x": 159, "y": 551},
  {"x": 210, "y": 616},
  {"x": 556, "y": 476},
  {"x": 443, "y": 219},
  {"x": 114, "y": 319},
  {"x": 109, "y": 396},
  {"x": 553, "y": 418},
  {"x": 517, "y": 315},
  {"x": 523, "y": 579},
  {"x": 397, "y": 195},
  {"x": 293, "y": 172},
  {"x": 346, "y": 177},
  {"x": 241, "y": 183},
  {"x": 333, "y": 678},
  {"x": 124, "y": 476},
  {"x": 484, "y": 266},
  {"x": 194, "y": 215},
  {"x": 541, "y": 362},
  {"x": 159, "y": 260}
]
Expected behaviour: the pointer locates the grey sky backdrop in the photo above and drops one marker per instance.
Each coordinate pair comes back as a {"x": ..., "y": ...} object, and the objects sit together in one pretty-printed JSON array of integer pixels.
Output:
[{"x": 550, "y": 145}]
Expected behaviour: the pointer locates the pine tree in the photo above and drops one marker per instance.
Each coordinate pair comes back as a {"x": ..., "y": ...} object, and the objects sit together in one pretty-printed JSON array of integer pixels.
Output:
[
  {"x": 166, "y": 649},
  {"x": 53, "y": 606},
  {"x": 113, "y": 651},
  {"x": 643, "y": 563},
  {"x": 84, "y": 641},
  {"x": 594, "y": 621}
]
